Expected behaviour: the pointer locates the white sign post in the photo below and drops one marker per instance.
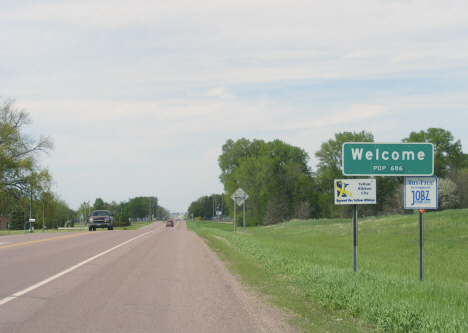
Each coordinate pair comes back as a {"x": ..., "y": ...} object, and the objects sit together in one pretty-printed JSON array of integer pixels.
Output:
[
  {"x": 239, "y": 198},
  {"x": 421, "y": 193}
]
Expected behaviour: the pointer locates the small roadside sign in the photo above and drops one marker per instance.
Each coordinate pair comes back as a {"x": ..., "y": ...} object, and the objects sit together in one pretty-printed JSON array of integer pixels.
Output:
[
  {"x": 421, "y": 193},
  {"x": 239, "y": 196},
  {"x": 355, "y": 191}
]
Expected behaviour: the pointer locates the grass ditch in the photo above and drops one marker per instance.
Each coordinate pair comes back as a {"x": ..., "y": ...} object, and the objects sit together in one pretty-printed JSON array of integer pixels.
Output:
[{"x": 307, "y": 268}]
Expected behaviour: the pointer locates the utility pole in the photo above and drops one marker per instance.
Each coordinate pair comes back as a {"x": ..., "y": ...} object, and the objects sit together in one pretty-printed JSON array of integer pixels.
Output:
[
  {"x": 222, "y": 206},
  {"x": 30, "y": 206}
]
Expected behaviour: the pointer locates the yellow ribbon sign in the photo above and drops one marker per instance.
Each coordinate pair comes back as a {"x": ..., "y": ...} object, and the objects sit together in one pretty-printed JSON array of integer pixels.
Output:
[{"x": 342, "y": 190}]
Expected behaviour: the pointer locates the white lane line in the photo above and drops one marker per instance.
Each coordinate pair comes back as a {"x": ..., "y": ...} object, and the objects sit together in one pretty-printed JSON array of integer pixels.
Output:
[
  {"x": 24, "y": 291},
  {"x": 4, "y": 243}
]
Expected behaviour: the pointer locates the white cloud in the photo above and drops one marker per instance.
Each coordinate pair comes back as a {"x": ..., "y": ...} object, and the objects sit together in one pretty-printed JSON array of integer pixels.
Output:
[
  {"x": 156, "y": 87},
  {"x": 219, "y": 92}
]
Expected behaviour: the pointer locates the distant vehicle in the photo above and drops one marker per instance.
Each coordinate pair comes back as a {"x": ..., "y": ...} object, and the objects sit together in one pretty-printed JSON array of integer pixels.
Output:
[
  {"x": 170, "y": 223},
  {"x": 101, "y": 219}
]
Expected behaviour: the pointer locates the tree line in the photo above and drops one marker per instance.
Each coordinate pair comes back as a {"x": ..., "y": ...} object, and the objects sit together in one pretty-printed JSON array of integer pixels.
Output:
[
  {"x": 206, "y": 207},
  {"x": 281, "y": 186},
  {"x": 134, "y": 208}
]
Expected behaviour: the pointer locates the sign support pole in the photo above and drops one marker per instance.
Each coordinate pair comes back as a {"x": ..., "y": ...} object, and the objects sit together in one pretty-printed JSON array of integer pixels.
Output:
[
  {"x": 421, "y": 247},
  {"x": 244, "y": 214},
  {"x": 235, "y": 204},
  {"x": 355, "y": 238},
  {"x": 242, "y": 196}
]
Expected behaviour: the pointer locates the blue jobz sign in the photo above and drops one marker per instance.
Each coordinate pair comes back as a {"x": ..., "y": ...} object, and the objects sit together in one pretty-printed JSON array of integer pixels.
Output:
[{"x": 421, "y": 193}]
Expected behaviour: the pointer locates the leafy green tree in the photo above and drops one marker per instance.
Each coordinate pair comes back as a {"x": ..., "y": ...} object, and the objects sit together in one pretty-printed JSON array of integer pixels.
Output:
[
  {"x": 202, "y": 207},
  {"x": 206, "y": 206},
  {"x": 195, "y": 208},
  {"x": 386, "y": 186},
  {"x": 45, "y": 210},
  {"x": 99, "y": 204},
  {"x": 17, "y": 219},
  {"x": 448, "y": 153},
  {"x": 269, "y": 173},
  {"x": 448, "y": 196},
  {"x": 395, "y": 202},
  {"x": 62, "y": 212},
  {"x": 233, "y": 153},
  {"x": 161, "y": 212},
  {"x": 121, "y": 220},
  {"x": 20, "y": 173},
  {"x": 305, "y": 198},
  {"x": 460, "y": 179},
  {"x": 330, "y": 159},
  {"x": 140, "y": 207}
]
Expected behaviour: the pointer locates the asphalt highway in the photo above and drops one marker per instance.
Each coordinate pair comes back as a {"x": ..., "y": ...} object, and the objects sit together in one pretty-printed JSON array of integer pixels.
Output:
[{"x": 155, "y": 279}]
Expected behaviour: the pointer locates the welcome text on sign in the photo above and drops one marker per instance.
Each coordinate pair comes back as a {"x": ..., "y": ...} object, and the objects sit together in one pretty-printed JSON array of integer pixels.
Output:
[{"x": 385, "y": 155}]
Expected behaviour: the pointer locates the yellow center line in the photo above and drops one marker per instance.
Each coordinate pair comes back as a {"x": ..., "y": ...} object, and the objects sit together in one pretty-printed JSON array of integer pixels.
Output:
[{"x": 42, "y": 240}]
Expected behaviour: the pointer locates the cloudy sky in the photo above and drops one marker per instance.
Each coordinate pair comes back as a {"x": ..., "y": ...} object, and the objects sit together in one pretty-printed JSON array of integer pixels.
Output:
[{"x": 140, "y": 96}]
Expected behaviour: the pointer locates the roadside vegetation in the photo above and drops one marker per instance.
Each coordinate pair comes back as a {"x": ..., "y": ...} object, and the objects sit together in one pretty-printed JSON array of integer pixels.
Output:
[
  {"x": 282, "y": 186},
  {"x": 306, "y": 267}
]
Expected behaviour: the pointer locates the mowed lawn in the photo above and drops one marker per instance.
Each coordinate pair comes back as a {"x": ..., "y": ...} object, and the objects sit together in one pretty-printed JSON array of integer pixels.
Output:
[{"x": 306, "y": 266}]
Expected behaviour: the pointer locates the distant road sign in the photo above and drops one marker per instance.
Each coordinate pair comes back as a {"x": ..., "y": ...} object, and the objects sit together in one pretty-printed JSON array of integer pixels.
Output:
[
  {"x": 239, "y": 196},
  {"x": 421, "y": 193},
  {"x": 198, "y": 218},
  {"x": 387, "y": 159}
]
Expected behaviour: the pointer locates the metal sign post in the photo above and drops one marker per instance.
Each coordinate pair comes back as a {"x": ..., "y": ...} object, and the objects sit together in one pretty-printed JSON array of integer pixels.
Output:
[
  {"x": 354, "y": 192},
  {"x": 234, "y": 215},
  {"x": 421, "y": 245},
  {"x": 421, "y": 193},
  {"x": 244, "y": 215},
  {"x": 239, "y": 198},
  {"x": 355, "y": 238}
]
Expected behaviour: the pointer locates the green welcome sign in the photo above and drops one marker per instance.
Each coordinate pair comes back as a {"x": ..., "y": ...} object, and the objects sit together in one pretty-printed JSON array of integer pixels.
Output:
[{"x": 387, "y": 159}]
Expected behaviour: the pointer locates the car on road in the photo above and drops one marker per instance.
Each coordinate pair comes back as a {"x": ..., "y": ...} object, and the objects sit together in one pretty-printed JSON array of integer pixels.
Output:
[
  {"x": 170, "y": 223},
  {"x": 101, "y": 219}
]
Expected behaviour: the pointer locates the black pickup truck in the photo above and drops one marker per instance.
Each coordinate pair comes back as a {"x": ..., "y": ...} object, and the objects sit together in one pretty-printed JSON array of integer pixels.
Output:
[{"x": 101, "y": 219}]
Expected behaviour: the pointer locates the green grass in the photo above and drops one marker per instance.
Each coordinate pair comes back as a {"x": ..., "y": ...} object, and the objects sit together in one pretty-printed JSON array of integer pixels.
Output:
[
  {"x": 311, "y": 261},
  {"x": 17, "y": 232}
]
